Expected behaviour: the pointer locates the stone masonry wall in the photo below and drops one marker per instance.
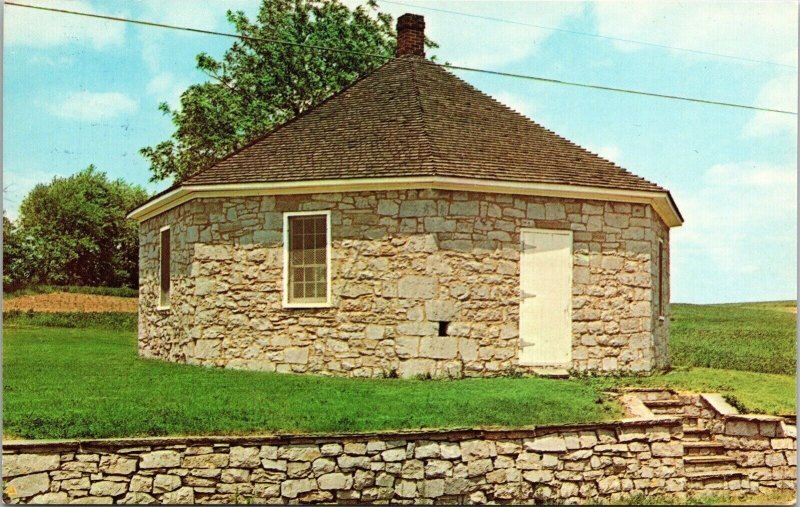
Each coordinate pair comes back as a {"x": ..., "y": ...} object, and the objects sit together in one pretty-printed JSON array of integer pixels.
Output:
[
  {"x": 401, "y": 262},
  {"x": 566, "y": 464}
]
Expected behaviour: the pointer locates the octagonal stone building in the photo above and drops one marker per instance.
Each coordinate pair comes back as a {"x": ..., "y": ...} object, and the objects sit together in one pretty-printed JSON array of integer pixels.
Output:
[{"x": 409, "y": 225}]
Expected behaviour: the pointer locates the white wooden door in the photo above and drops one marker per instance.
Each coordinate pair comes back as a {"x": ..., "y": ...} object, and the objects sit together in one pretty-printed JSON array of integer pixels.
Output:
[{"x": 545, "y": 320}]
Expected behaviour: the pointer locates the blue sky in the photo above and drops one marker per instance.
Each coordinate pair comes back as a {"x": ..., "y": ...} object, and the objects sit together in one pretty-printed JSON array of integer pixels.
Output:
[{"x": 80, "y": 91}]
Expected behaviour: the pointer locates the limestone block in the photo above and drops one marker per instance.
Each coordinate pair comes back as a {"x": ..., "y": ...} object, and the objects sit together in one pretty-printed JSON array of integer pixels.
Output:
[
  {"x": 742, "y": 428},
  {"x": 438, "y": 310},
  {"x": 450, "y": 450},
  {"x": 108, "y": 488},
  {"x": 417, "y": 287},
  {"x": 475, "y": 449},
  {"x": 335, "y": 481},
  {"x": 417, "y": 208},
  {"x": 299, "y": 452},
  {"x": 207, "y": 349},
  {"x": 398, "y": 454},
  {"x": 535, "y": 211},
  {"x": 24, "y": 464},
  {"x": 415, "y": 367},
  {"x": 59, "y": 498},
  {"x": 217, "y": 460},
  {"x": 163, "y": 483},
  {"x": 549, "y": 443},
  {"x": 93, "y": 500},
  {"x": 438, "y": 347},
  {"x": 27, "y": 485},
  {"x": 141, "y": 483},
  {"x": 667, "y": 449},
  {"x": 421, "y": 328},
  {"x": 245, "y": 457},
  {"x": 183, "y": 495},
  {"x": 388, "y": 207},
  {"x": 160, "y": 459},
  {"x": 137, "y": 498},
  {"x": 427, "y": 450},
  {"x": 296, "y": 355}
]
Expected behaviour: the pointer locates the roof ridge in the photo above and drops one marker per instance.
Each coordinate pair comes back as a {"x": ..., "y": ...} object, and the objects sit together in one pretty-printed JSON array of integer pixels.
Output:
[
  {"x": 425, "y": 132},
  {"x": 549, "y": 131}
]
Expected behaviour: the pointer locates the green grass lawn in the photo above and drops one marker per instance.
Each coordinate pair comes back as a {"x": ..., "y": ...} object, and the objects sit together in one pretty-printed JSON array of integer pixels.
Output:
[
  {"x": 62, "y": 383},
  {"x": 88, "y": 382},
  {"x": 749, "y": 336}
]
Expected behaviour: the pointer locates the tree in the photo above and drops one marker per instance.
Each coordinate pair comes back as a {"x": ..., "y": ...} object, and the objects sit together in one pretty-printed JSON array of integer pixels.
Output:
[
  {"x": 19, "y": 257},
  {"x": 76, "y": 231},
  {"x": 260, "y": 83}
]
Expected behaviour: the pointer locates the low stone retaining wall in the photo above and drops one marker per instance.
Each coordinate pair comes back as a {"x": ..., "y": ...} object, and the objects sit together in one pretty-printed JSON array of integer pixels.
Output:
[{"x": 647, "y": 455}]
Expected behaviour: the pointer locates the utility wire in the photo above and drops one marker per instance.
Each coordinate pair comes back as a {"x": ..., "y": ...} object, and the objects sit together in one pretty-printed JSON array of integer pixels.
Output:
[
  {"x": 590, "y": 34},
  {"x": 385, "y": 57}
]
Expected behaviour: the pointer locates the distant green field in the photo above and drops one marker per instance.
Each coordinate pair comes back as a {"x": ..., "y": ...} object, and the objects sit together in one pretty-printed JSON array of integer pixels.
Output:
[
  {"x": 759, "y": 337},
  {"x": 125, "y": 292}
]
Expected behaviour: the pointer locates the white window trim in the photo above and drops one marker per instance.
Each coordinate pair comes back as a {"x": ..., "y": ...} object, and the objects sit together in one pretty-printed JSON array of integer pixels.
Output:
[
  {"x": 327, "y": 303},
  {"x": 662, "y": 311},
  {"x": 162, "y": 306}
]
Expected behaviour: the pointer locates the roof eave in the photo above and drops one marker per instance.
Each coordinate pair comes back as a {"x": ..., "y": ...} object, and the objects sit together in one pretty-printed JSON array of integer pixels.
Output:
[{"x": 661, "y": 201}]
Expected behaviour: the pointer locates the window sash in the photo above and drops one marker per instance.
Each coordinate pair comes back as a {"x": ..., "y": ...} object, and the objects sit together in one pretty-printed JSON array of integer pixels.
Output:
[
  {"x": 165, "y": 252},
  {"x": 661, "y": 278},
  {"x": 307, "y": 259}
]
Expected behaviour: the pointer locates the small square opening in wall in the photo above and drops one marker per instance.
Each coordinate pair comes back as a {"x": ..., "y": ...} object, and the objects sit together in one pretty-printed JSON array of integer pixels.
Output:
[{"x": 443, "y": 325}]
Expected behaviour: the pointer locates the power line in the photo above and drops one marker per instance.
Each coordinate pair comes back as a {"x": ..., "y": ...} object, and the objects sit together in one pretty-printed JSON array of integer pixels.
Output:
[
  {"x": 195, "y": 30},
  {"x": 590, "y": 34},
  {"x": 621, "y": 90},
  {"x": 385, "y": 57}
]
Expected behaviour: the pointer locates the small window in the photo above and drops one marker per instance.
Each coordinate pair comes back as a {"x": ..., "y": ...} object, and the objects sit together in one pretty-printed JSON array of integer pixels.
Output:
[
  {"x": 661, "y": 302},
  {"x": 164, "y": 282},
  {"x": 306, "y": 259}
]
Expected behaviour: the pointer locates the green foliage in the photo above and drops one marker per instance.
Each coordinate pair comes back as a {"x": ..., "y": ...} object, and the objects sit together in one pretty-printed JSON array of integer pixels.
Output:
[
  {"x": 748, "y": 336},
  {"x": 119, "y": 321},
  {"x": 73, "y": 230},
  {"x": 19, "y": 256},
  {"x": 68, "y": 383},
  {"x": 259, "y": 84},
  {"x": 122, "y": 292}
]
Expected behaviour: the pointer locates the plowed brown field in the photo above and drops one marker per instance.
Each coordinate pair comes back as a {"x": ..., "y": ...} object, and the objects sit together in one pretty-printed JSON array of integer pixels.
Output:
[{"x": 70, "y": 302}]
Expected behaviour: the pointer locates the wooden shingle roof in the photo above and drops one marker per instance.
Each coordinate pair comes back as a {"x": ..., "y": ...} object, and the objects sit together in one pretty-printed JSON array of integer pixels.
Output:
[{"x": 413, "y": 118}]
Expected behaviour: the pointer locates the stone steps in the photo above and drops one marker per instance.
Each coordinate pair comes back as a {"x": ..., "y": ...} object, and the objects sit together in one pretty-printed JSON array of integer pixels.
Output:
[
  {"x": 695, "y": 434},
  {"x": 718, "y": 463},
  {"x": 704, "y": 448}
]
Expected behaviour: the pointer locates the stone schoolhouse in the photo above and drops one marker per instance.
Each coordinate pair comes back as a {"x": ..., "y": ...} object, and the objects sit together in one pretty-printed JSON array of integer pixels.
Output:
[{"x": 408, "y": 225}]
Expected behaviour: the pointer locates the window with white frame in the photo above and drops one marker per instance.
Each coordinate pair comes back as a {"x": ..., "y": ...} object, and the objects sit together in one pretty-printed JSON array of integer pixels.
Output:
[
  {"x": 661, "y": 278},
  {"x": 164, "y": 261},
  {"x": 306, "y": 268}
]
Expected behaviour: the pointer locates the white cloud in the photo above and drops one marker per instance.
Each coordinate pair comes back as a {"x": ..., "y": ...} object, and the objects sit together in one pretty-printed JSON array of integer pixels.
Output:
[
  {"x": 165, "y": 87},
  {"x": 756, "y": 30},
  {"x": 778, "y": 93},
  {"x": 486, "y": 43},
  {"x": 742, "y": 219},
  {"x": 206, "y": 15},
  {"x": 40, "y": 29},
  {"x": 93, "y": 106}
]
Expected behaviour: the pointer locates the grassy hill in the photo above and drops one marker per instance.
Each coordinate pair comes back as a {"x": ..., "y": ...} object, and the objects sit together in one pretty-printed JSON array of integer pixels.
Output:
[{"x": 759, "y": 337}]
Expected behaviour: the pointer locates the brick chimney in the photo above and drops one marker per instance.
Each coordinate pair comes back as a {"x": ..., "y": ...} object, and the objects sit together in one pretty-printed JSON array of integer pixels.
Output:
[{"x": 410, "y": 35}]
